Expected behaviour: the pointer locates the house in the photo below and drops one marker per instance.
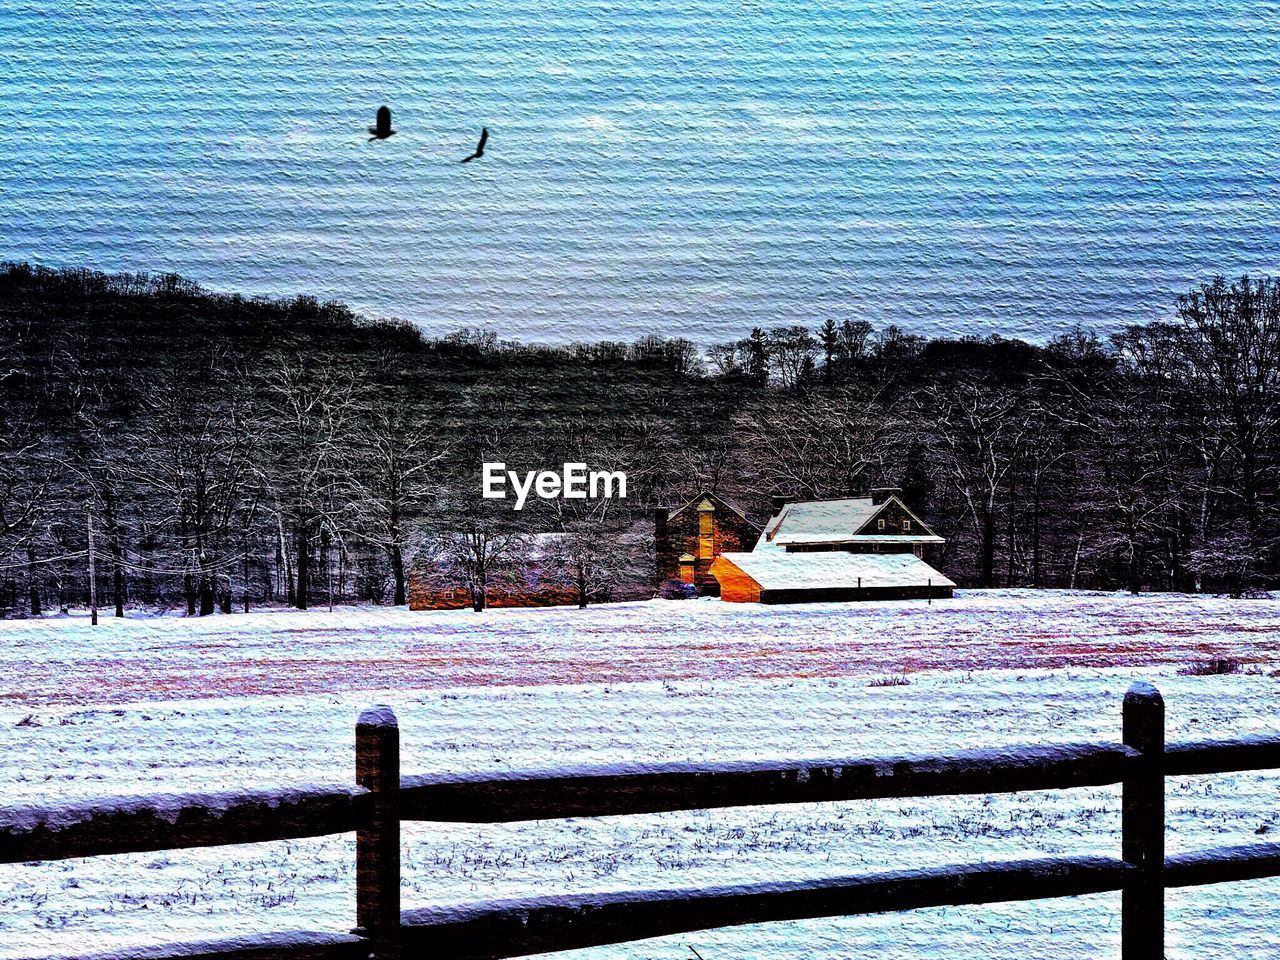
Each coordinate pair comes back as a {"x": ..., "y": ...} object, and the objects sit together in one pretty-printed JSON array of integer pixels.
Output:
[
  {"x": 688, "y": 540},
  {"x": 777, "y": 576},
  {"x": 880, "y": 523},
  {"x": 854, "y": 548}
]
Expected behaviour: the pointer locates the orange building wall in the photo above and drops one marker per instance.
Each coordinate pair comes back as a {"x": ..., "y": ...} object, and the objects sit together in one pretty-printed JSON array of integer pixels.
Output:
[{"x": 735, "y": 586}]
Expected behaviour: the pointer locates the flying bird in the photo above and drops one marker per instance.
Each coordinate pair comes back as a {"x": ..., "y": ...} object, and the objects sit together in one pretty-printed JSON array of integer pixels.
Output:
[
  {"x": 383, "y": 128},
  {"x": 484, "y": 137}
]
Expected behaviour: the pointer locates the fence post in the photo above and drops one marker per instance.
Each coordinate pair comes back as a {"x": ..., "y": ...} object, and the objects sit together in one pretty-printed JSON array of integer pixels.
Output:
[
  {"x": 1142, "y": 826},
  {"x": 378, "y": 843}
]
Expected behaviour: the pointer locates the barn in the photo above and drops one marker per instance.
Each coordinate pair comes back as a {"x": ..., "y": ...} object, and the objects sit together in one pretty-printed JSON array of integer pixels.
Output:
[
  {"x": 879, "y": 523},
  {"x": 689, "y": 539},
  {"x": 851, "y": 548},
  {"x": 776, "y": 576}
]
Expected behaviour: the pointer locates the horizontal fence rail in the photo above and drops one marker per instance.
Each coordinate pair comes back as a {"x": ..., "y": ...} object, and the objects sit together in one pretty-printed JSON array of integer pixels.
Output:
[
  {"x": 514, "y": 929},
  {"x": 625, "y": 791},
  {"x": 381, "y": 799},
  {"x": 1222, "y": 756},
  {"x": 292, "y": 945},
  {"x": 1252, "y": 861},
  {"x": 143, "y": 824}
]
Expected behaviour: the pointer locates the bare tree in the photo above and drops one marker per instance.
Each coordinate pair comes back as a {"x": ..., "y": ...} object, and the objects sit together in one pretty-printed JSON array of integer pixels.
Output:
[
  {"x": 978, "y": 437},
  {"x": 820, "y": 446},
  {"x": 594, "y": 546},
  {"x": 1231, "y": 339},
  {"x": 792, "y": 350},
  {"x": 310, "y": 432},
  {"x": 477, "y": 547},
  {"x": 191, "y": 448},
  {"x": 1127, "y": 478},
  {"x": 400, "y": 446}
]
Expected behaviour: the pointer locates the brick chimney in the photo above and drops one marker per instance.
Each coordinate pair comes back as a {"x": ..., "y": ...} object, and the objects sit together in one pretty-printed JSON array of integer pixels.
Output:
[
  {"x": 660, "y": 515},
  {"x": 777, "y": 502},
  {"x": 880, "y": 494}
]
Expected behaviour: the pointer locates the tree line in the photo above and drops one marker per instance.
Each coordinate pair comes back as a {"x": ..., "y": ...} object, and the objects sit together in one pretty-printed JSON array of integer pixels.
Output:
[{"x": 229, "y": 452}]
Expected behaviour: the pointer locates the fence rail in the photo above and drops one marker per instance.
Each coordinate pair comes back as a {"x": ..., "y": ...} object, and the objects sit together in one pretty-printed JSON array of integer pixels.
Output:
[
  {"x": 144, "y": 824},
  {"x": 381, "y": 799}
]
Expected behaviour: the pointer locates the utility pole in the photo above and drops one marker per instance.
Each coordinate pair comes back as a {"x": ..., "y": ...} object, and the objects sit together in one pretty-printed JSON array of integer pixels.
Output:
[{"x": 93, "y": 579}]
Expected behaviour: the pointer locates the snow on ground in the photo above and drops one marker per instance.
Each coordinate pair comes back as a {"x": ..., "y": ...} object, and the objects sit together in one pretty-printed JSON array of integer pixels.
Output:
[
  {"x": 63, "y": 660},
  {"x": 659, "y": 681}
]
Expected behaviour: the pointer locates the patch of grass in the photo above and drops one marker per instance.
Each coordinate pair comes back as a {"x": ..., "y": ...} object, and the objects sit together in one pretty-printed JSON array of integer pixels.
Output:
[
  {"x": 1213, "y": 667},
  {"x": 896, "y": 680}
]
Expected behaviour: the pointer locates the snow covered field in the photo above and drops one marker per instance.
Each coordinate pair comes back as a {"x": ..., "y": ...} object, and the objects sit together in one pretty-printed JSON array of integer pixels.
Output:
[
  {"x": 172, "y": 704},
  {"x": 59, "y": 661}
]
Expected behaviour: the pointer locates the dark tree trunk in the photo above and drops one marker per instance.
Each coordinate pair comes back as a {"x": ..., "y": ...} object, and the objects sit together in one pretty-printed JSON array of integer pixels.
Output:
[
  {"x": 303, "y": 563},
  {"x": 33, "y": 585},
  {"x": 397, "y": 571},
  {"x": 117, "y": 572},
  {"x": 188, "y": 580},
  {"x": 206, "y": 596}
]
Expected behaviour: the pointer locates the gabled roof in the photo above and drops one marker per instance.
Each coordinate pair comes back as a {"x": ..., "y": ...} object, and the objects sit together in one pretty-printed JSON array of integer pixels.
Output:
[
  {"x": 717, "y": 502},
  {"x": 778, "y": 570},
  {"x": 847, "y": 520}
]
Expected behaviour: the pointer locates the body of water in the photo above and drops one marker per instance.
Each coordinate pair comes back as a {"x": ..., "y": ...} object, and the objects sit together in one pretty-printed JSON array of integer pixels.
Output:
[{"x": 693, "y": 168}]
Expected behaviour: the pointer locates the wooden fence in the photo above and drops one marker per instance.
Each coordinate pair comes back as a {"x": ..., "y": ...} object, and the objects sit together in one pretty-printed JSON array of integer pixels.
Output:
[{"x": 382, "y": 799}]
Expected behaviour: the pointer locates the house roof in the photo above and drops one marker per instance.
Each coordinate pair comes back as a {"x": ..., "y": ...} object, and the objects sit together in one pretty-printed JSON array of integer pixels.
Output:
[
  {"x": 835, "y": 521},
  {"x": 717, "y": 501},
  {"x": 778, "y": 570}
]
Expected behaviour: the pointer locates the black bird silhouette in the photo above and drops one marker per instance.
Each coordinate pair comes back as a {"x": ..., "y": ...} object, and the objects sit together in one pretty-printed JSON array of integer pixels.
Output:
[
  {"x": 383, "y": 129},
  {"x": 484, "y": 137}
]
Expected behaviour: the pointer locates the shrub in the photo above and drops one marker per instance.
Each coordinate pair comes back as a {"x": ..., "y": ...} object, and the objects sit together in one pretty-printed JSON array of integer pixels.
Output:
[
  {"x": 897, "y": 680},
  {"x": 677, "y": 590},
  {"x": 1213, "y": 667}
]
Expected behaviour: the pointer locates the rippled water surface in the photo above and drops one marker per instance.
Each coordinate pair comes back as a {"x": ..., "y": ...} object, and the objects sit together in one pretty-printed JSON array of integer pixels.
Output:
[{"x": 690, "y": 167}]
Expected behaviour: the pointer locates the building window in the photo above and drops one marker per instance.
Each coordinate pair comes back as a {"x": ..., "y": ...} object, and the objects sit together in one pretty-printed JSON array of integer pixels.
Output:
[
  {"x": 706, "y": 535},
  {"x": 906, "y": 526},
  {"x": 879, "y": 524}
]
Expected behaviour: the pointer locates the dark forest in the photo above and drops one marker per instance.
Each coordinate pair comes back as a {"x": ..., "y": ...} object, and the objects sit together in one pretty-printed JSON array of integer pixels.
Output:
[{"x": 228, "y": 452}]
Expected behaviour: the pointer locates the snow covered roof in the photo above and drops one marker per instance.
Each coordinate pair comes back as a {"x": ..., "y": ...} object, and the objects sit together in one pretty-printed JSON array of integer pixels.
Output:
[
  {"x": 834, "y": 521},
  {"x": 778, "y": 570}
]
